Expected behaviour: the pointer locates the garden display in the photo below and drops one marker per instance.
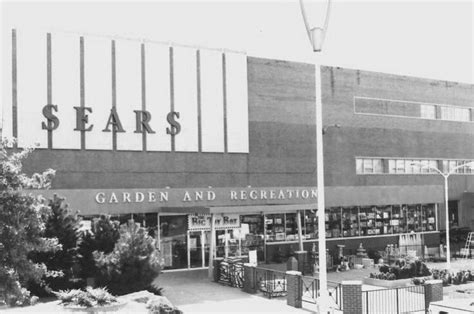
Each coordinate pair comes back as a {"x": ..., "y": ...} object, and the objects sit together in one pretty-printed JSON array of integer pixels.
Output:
[
  {"x": 457, "y": 278},
  {"x": 402, "y": 270},
  {"x": 90, "y": 298}
]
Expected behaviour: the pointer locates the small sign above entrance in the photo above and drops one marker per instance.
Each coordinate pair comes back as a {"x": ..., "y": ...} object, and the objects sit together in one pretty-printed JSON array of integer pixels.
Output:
[{"x": 203, "y": 222}]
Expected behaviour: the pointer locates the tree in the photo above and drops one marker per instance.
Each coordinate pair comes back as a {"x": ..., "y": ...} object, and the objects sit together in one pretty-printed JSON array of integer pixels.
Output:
[
  {"x": 64, "y": 225},
  {"x": 22, "y": 225},
  {"x": 133, "y": 264}
]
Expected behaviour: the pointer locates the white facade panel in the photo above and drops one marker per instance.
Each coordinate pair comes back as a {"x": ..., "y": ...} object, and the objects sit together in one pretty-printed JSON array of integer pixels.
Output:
[
  {"x": 212, "y": 101},
  {"x": 237, "y": 103},
  {"x": 128, "y": 71},
  {"x": 32, "y": 88},
  {"x": 185, "y": 98},
  {"x": 6, "y": 121},
  {"x": 157, "y": 67},
  {"x": 66, "y": 89},
  {"x": 98, "y": 90}
]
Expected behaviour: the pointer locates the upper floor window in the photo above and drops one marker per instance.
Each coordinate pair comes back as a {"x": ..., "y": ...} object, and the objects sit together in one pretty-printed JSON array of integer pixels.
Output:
[
  {"x": 411, "y": 109},
  {"x": 369, "y": 165},
  {"x": 428, "y": 111},
  {"x": 455, "y": 113},
  {"x": 450, "y": 165},
  {"x": 412, "y": 166}
]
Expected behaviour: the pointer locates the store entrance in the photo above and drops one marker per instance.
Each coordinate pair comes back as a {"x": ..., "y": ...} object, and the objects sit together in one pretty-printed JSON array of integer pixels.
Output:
[
  {"x": 228, "y": 244},
  {"x": 196, "y": 249}
]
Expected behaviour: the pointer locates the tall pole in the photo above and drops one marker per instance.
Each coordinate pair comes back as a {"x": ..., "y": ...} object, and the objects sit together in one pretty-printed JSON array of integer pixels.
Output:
[
  {"x": 300, "y": 233},
  {"x": 323, "y": 303},
  {"x": 448, "y": 249},
  {"x": 212, "y": 248},
  {"x": 316, "y": 36}
]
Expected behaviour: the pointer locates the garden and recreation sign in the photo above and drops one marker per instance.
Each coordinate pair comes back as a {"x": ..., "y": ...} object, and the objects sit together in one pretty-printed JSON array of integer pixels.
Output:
[
  {"x": 68, "y": 91},
  {"x": 237, "y": 199},
  {"x": 117, "y": 201}
]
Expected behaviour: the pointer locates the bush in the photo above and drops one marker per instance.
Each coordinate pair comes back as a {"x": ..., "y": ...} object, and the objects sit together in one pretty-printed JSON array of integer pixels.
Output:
[
  {"x": 375, "y": 255},
  {"x": 133, "y": 264},
  {"x": 410, "y": 270},
  {"x": 156, "y": 307},
  {"x": 384, "y": 269},
  {"x": 89, "y": 298}
]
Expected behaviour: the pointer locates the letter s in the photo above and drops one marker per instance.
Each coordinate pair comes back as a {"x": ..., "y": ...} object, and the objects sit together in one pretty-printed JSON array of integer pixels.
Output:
[
  {"x": 175, "y": 127},
  {"x": 53, "y": 121}
]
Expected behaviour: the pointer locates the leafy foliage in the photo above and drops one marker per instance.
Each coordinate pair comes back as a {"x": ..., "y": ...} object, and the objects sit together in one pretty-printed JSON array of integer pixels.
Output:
[
  {"x": 157, "y": 307},
  {"x": 22, "y": 226},
  {"x": 133, "y": 264},
  {"x": 461, "y": 277},
  {"x": 89, "y": 298},
  {"x": 402, "y": 270},
  {"x": 64, "y": 225}
]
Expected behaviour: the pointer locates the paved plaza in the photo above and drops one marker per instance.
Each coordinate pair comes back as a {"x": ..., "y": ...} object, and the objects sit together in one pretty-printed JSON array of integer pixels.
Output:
[{"x": 192, "y": 291}]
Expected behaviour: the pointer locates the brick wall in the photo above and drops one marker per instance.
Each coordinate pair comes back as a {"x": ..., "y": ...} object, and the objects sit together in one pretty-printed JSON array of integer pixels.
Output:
[
  {"x": 433, "y": 291},
  {"x": 294, "y": 295},
  {"x": 352, "y": 297}
]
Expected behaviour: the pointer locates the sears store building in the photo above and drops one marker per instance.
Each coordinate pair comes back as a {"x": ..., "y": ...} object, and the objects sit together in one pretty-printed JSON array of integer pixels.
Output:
[{"x": 174, "y": 135}]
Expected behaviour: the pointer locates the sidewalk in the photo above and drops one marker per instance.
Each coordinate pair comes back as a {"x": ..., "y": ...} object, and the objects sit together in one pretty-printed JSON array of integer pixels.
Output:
[{"x": 192, "y": 292}]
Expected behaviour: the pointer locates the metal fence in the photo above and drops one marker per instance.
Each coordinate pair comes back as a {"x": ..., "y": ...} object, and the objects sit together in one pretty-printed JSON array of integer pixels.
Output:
[
  {"x": 272, "y": 283},
  {"x": 397, "y": 300},
  {"x": 310, "y": 290}
]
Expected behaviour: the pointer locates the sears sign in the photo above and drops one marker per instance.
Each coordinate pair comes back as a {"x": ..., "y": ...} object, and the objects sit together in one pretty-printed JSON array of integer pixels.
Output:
[{"x": 66, "y": 91}]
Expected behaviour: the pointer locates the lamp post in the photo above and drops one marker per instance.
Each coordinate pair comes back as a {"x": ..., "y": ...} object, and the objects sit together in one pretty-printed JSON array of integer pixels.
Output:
[
  {"x": 316, "y": 36},
  {"x": 445, "y": 176}
]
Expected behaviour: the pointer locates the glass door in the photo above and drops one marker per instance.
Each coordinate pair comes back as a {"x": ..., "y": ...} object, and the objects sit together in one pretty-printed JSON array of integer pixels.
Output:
[{"x": 195, "y": 249}]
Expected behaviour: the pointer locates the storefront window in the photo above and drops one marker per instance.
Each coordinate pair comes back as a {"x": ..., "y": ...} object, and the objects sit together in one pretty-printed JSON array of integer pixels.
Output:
[
  {"x": 251, "y": 233},
  {"x": 291, "y": 229},
  {"x": 311, "y": 224},
  {"x": 173, "y": 243},
  {"x": 350, "y": 221},
  {"x": 275, "y": 226},
  {"x": 333, "y": 222},
  {"x": 430, "y": 217}
]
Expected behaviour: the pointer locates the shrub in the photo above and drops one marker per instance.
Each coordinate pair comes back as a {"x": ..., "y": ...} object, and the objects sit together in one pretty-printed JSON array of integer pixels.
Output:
[
  {"x": 133, "y": 264},
  {"x": 89, "y": 298},
  {"x": 22, "y": 218},
  {"x": 375, "y": 255},
  {"x": 384, "y": 269},
  {"x": 156, "y": 307}
]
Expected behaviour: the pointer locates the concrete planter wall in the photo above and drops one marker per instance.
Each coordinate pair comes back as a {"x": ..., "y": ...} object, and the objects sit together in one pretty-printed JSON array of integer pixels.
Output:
[{"x": 99, "y": 309}]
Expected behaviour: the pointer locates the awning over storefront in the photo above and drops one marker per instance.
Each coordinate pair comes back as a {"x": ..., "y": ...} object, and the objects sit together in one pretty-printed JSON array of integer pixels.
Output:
[
  {"x": 270, "y": 209},
  {"x": 240, "y": 199}
]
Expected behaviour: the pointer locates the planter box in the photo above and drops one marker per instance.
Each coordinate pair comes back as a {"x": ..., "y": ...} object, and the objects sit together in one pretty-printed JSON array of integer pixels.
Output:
[{"x": 392, "y": 283}]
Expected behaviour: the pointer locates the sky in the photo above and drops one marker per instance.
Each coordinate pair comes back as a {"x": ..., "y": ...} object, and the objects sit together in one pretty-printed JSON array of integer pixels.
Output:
[{"x": 430, "y": 39}]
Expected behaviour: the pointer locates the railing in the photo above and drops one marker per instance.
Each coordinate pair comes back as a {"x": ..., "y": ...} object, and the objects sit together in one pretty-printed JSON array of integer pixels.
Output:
[
  {"x": 310, "y": 290},
  {"x": 397, "y": 300},
  {"x": 272, "y": 283}
]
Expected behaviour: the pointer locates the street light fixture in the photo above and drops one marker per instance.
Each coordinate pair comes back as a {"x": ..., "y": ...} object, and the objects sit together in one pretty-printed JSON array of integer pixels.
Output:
[
  {"x": 316, "y": 36},
  {"x": 445, "y": 176}
]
